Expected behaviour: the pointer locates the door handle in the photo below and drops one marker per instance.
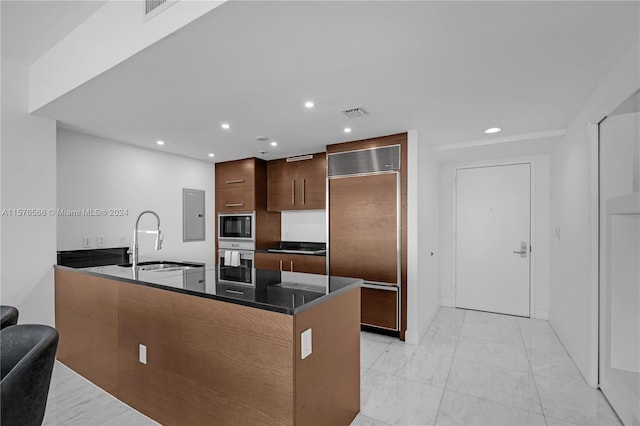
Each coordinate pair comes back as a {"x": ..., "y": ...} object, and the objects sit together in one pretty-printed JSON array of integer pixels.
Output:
[{"x": 523, "y": 250}]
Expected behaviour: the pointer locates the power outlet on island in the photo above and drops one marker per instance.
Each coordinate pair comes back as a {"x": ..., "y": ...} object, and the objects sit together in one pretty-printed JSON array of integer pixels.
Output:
[
  {"x": 306, "y": 343},
  {"x": 86, "y": 241},
  {"x": 100, "y": 241},
  {"x": 142, "y": 353}
]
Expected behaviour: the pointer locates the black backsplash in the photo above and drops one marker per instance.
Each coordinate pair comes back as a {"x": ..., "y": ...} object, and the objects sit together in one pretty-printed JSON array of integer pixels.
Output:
[{"x": 93, "y": 257}]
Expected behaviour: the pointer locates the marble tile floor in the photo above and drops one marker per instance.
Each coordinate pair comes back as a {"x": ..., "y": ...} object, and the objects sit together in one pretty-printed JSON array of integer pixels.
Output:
[
  {"x": 476, "y": 368},
  {"x": 471, "y": 368}
]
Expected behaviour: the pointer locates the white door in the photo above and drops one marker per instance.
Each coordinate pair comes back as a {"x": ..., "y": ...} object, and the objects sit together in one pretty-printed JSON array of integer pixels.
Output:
[{"x": 493, "y": 227}]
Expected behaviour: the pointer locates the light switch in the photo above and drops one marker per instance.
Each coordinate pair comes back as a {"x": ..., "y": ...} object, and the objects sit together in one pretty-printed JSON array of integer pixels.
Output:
[
  {"x": 556, "y": 232},
  {"x": 306, "y": 343},
  {"x": 142, "y": 353}
]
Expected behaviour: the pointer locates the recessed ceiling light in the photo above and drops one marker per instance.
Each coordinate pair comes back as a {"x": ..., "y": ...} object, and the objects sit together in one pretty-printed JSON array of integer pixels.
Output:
[
  {"x": 274, "y": 143},
  {"x": 493, "y": 130},
  {"x": 226, "y": 126},
  {"x": 160, "y": 142},
  {"x": 262, "y": 138},
  {"x": 347, "y": 129},
  {"x": 308, "y": 104},
  {"x": 211, "y": 155}
]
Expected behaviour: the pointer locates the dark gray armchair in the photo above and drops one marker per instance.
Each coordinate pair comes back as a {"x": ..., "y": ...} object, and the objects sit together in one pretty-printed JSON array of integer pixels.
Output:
[
  {"x": 27, "y": 354},
  {"x": 8, "y": 316}
]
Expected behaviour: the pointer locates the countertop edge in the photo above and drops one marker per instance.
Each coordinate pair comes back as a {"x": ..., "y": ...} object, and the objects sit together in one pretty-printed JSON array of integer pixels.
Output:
[{"x": 251, "y": 304}]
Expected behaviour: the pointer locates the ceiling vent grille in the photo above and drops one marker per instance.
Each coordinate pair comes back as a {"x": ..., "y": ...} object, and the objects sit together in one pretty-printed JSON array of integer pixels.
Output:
[
  {"x": 151, "y": 5},
  {"x": 355, "y": 112}
]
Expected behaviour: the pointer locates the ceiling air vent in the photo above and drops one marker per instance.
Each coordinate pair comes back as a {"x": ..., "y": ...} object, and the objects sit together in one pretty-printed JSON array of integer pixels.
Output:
[
  {"x": 355, "y": 112},
  {"x": 151, "y": 5}
]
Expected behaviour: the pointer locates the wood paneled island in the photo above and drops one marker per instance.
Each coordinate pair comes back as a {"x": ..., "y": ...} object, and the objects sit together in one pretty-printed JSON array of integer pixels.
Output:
[{"x": 214, "y": 356}]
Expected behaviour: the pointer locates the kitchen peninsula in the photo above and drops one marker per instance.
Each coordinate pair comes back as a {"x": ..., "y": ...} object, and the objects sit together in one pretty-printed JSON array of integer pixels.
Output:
[{"x": 183, "y": 348}]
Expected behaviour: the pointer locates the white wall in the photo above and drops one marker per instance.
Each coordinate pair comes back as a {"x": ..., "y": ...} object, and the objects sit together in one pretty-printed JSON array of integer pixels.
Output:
[
  {"x": 540, "y": 237},
  {"x": 96, "y": 173},
  {"x": 94, "y": 47},
  {"x": 423, "y": 287},
  {"x": 574, "y": 273},
  {"x": 28, "y": 181},
  {"x": 304, "y": 225}
]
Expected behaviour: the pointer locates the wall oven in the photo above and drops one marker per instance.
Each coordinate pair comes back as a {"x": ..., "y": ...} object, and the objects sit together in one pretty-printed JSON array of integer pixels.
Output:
[
  {"x": 237, "y": 226},
  {"x": 236, "y": 267}
]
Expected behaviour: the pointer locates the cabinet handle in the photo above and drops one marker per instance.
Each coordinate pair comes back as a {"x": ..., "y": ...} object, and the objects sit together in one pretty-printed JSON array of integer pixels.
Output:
[
  {"x": 234, "y": 205},
  {"x": 302, "y": 191},
  {"x": 234, "y": 181},
  {"x": 280, "y": 264},
  {"x": 291, "y": 266},
  {"x": 234, "y": 291},
  {"x": 293, "y": 192}
]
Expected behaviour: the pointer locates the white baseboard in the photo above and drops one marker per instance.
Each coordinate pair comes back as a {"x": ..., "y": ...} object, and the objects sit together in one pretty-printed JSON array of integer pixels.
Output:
[
  {"x": 414, "y": 337},
  {"x": 449, "y": 303},
  {"x": 542, "y": 315}
]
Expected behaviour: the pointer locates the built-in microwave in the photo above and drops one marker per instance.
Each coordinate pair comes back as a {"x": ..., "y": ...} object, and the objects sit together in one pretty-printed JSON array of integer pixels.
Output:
[{"x": 237, "y": 226}]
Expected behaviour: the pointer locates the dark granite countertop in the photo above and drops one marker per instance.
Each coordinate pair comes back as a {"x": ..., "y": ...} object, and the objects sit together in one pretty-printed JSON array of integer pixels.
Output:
[
  {"x": 298, "y": 247},
  {"x": 284, "y": 292}
]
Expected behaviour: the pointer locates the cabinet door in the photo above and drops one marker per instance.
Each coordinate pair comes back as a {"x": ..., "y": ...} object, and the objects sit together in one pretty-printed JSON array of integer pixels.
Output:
[
  {"x": 283, "y": 190},
  {"x": 307, "y": 264},
  {"x": 363, "y": 220},
  {"x": 297, "y": 185},
  {"x": 379, "y": 308},
  {"x": 312, "y": 177},
  {"x": 238, "y": 199},
  {"x": 272, "y": 261},
  {"x": 233, "y": 174}
]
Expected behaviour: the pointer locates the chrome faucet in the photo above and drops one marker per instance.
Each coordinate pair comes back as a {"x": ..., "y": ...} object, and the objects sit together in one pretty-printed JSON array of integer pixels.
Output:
[{"x": 159, "y": 239}]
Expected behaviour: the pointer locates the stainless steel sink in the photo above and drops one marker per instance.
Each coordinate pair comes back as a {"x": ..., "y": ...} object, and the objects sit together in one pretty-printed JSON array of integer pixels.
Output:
[{"x": 162, "y": 266}]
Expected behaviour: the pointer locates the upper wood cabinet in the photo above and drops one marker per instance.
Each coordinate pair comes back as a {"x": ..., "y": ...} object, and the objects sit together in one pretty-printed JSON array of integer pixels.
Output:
[
  {"x": 236, "y": 186},
  {"x": 234, "y": 174},
  {"x": 297, "y": 183}
]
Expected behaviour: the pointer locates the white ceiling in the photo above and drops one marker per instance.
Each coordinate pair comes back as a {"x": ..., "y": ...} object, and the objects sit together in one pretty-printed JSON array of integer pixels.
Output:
[
  {"x": 448, "y": 69},
  {"x": 30, "y": 28}
]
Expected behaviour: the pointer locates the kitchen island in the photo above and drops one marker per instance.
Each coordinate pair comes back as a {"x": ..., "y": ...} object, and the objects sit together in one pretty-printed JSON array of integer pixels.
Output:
[{"x": 183, "y": 347}]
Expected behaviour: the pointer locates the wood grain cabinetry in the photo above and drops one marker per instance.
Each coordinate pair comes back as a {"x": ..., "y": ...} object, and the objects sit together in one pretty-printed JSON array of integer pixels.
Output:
[
  {"x": 298, "y": 184},
  {"x": 235, "y": 186},
  {"x": 291, "y": 262},
  {"x": 241, "y": 186},
  {"x": 86, "y": 314},
  {"x": 368, "y": 233},
  {"x": 379, "y": 308},
  {"x": 364, "y": 227},
  {"x": 233, "y": 174},
  {"x": 209, "y": 361}
]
